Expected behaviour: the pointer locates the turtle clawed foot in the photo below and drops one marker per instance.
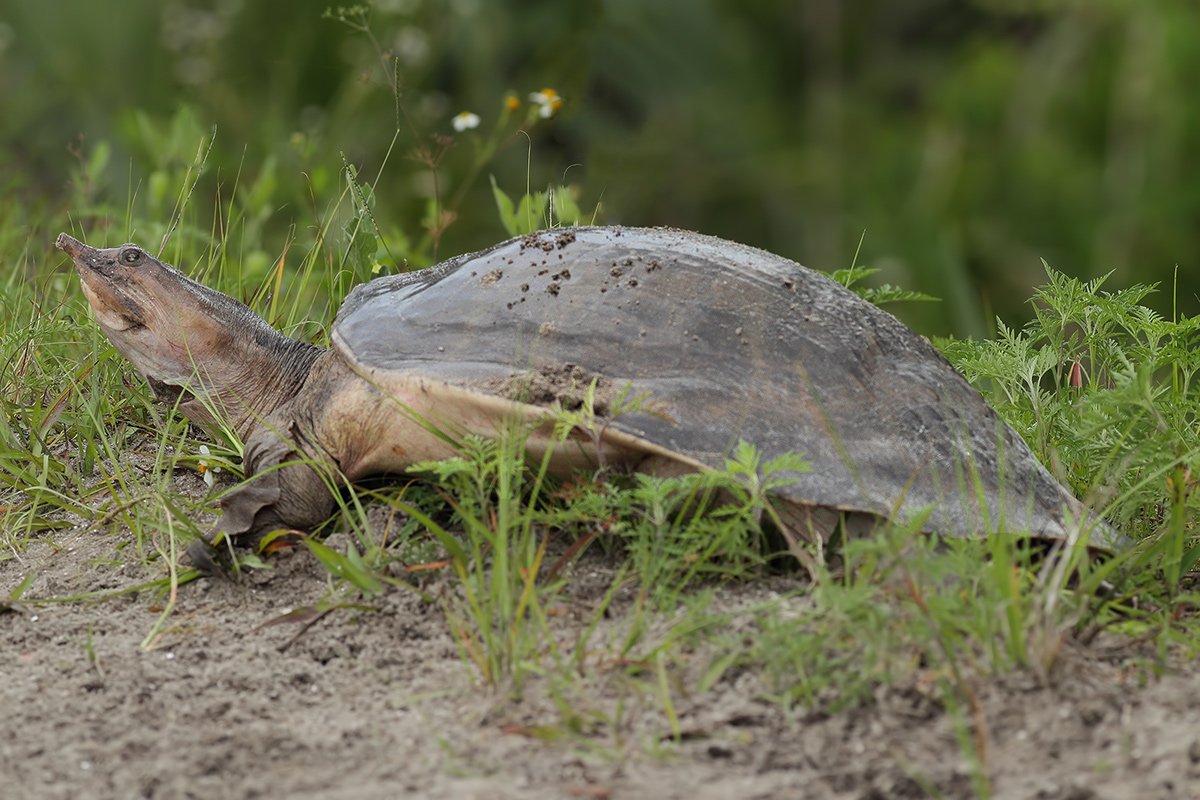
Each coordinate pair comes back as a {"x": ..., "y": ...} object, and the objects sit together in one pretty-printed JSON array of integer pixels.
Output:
[
  {"x": 213, "y": 558},
  {"x": 208, "y": 559}
]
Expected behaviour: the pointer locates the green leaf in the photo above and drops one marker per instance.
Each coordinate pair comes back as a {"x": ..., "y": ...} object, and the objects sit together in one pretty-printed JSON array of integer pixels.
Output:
[
  {"x": 884, "y": 294},
  {"x": 893, "y": 294},
  {"x": 530, "y": 212},
  {"x": 16, "y": 593},
  {"x": 349, "y": 566},
  {"x": 566, "y": 211},
  {"x": 849, "y": 277},
  {"x": 504, "y": 204}
]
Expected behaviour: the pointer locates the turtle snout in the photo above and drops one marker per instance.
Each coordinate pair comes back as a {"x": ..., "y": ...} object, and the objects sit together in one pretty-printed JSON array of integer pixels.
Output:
[
  {"x": 87, "y": 258},
  {"x": 79, "y": 252},
  {"x": 71, "y": 245}
]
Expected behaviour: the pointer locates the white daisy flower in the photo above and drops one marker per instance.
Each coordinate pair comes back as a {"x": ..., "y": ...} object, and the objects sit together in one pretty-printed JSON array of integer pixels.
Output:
[
  {"x": 205, "y": 470},
  {"x": 465, "y": 121},
  {"x": 548, "y": 102}
]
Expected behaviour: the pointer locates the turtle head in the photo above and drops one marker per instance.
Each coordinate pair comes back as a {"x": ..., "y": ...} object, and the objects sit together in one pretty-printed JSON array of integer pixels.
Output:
[{"x": 196, "y": 347}]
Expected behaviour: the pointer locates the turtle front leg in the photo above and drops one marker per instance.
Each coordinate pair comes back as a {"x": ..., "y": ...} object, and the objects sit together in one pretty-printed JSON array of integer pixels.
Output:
[{"x": 286, "y": 491}]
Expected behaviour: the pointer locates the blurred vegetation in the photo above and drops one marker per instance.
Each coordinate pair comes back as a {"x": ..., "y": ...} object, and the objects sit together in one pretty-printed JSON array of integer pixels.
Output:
[{"x": 967, "y": 138}]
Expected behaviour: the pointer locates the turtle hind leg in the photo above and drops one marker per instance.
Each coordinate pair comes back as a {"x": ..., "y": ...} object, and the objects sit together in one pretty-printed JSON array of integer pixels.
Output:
[
  {"x": 809, "y": 529},
  {"x": 286, "y": 491}
]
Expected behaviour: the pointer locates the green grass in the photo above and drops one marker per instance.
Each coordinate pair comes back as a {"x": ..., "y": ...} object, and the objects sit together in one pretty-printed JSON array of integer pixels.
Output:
[{"x": 80, "y": 439}]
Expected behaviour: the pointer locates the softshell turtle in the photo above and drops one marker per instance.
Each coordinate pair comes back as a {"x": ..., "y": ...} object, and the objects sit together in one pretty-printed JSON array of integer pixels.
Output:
[{"x": 729, "y": 343}]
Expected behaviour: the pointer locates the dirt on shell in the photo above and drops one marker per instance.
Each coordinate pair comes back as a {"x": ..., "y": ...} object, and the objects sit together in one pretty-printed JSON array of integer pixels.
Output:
[
  {"x": 547, "y": 242},
  {"x": 565, "y": 384},
  {"x": 378, "y": 702}
]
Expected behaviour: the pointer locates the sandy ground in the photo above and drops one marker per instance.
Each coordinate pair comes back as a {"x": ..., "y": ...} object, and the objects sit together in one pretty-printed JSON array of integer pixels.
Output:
[{"x": 379, "y": 704}]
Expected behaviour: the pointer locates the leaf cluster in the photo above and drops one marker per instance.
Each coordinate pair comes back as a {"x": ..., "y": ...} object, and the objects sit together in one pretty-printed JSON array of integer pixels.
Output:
[
  {"x": 852, "y": 276},
  {"x": 1102, "y": 387}
]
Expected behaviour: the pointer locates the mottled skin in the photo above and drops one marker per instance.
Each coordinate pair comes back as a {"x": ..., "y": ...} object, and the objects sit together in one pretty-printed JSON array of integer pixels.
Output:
[{"x": 729, "y": 341}]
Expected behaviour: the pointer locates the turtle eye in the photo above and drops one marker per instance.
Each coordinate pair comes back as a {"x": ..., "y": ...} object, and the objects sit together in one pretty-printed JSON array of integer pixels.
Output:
[{"x": 132, "y": 256}]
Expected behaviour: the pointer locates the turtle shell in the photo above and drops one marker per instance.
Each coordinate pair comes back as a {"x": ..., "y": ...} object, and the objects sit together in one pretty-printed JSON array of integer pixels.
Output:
[{"x": 731, "y": 343}]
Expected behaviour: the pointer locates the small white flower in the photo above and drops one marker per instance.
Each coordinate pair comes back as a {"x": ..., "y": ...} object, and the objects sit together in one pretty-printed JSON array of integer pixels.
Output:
[
  {"x": 205, "y": 469},
  {"x": 465, "y": 121},
  {"x": 548, "y": 101}
]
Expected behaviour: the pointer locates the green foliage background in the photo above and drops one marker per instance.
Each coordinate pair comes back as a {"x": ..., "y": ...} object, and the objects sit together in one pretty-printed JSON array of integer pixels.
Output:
[{"x": 967, "y": 138}]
